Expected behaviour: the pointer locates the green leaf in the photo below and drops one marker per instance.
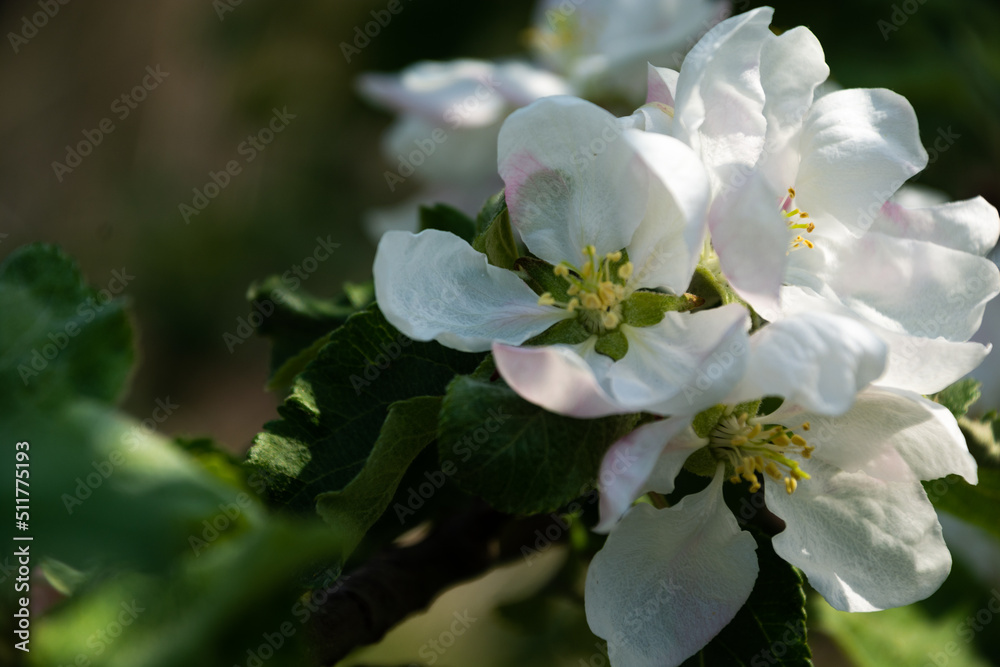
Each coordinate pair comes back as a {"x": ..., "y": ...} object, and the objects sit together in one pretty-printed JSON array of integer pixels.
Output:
[
  {"x": 900, "y": 636},
  {"x": 979, "y": 504},
  {"x": 216, "y": 610},
  {"x": 960, "y": 396},
  {"x": 59, "y": 338},
  {"x": 497, "y": 242},
  {"x": 104, "y": 489},
  {"x": 447, "y": 219},
  {"x": 410, "y": 426},
  {"x": 613, "y": 344},
  {"x": 770, "y": 629},
  {"x": 517, "y": 456},
  {"x": 298, "y": 323},
  {"x": 644, "y": 309},
  {"x": 336, "y": 408}
]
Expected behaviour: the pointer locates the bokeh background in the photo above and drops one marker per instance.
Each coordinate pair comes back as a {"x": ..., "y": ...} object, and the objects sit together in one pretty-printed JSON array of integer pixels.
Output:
[{"x": 230, "y": 65}]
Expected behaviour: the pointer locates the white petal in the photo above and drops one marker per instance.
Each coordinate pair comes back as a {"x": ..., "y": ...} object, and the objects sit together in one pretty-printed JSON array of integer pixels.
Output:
[
  {"x": 684, "y": 364},
  {"x": 719, "y": 97},
  {"x": 865, "y": 544},
  {"x": 816, "y": 360},
  {"x": 434, "y": 286},
  {"x": 928, "y": 365},
  {"x": 667, "y": 245},
  {"x": 858, "y": 147},
  {"x": 792, "y": 66},
  {"x": 571, "y": 181},
  {"x": 889, "y": 434},
  {"x": 627, "y": 466},
  {"x": 923, "y": 365},
  {"x": 667, "y": 581},
  {"x": 970, "y": 226},
  {"x": 751, "y": 237},
  {"x": 914, "y": 287},
  {"x": 418, "y": 148},
  {"x": 430, "y": 89}
]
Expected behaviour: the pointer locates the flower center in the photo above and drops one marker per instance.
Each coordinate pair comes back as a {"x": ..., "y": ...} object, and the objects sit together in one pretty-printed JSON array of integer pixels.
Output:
[
  {"x": 796, "y": 219},
  {"x": 750, "y": 449},
  {"x": 597, "y": 289}
]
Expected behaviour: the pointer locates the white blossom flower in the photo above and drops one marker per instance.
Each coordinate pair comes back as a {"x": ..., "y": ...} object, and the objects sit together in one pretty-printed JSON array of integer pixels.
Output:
[
  {"x": 602, "y": 47},
  {"x": 857, "y": 520},
  {"x": 620, "y": 241},
  {"x": 801, "y": 218}
]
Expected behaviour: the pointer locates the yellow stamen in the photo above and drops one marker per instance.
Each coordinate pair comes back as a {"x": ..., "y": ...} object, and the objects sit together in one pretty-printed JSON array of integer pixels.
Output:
[{"x": 546, "y": 299}]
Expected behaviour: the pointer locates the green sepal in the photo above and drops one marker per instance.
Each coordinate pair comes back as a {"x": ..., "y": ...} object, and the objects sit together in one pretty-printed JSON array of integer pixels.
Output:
[
  {"x": 978, "y": 505},
  {"x": 644, "y": 309},
  {"x": 567, "y": 332},
  {"x": 493, "y": 207},
  {"x": 447, "y": 219},
  {"x": 541, "y": 278},
  {"x": 612, "y": 344},
  {"x": 702, "y": 463},
  {"x": 497, "y": 242}
]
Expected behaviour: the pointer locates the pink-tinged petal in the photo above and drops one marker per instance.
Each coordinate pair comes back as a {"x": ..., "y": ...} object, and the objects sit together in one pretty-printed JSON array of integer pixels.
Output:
[
  {"x": 628, "y": 466},
  {"x": 571, "y": 180},
  {"x": 667, "y": 581},
  {"x": 667, "y": 245},
  {"x": 865, "y": 544},
  {"x": 816, "y": 360},
  {"x": 661, "y": 82},
  {"x": 434, "y": 286},
  {"x": 556, "y": 378},
  {"x": 969, "y": 226},
  {"x": 858, "y": 147}
]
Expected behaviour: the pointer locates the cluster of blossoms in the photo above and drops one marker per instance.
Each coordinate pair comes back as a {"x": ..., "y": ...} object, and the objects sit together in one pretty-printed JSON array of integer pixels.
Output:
[
  {"x": 451, "y": 112},
  {"x": 735, "y": 238}
]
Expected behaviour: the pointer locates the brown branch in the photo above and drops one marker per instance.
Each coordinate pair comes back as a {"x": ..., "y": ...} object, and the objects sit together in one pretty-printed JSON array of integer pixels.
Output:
[{"x": 361, "y": 608}]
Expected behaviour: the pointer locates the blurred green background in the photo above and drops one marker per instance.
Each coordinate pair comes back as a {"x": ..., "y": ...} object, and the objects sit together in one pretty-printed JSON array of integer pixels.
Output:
[{"x": 118, "y": 210}]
